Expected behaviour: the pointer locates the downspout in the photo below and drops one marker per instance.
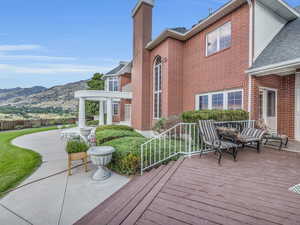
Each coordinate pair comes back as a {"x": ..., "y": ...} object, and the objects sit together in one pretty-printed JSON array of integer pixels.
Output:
[{"x": 250, "y": 56}]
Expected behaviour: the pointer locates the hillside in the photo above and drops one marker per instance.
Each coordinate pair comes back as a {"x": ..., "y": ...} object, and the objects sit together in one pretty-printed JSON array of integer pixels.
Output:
[
  {"x": 6, "y": 94},
  {"x": 57, "y": 96}
]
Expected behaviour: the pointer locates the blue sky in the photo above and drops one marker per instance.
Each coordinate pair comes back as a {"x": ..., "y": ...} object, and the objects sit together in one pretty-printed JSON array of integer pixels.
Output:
[{"x": 52, "y": 42}]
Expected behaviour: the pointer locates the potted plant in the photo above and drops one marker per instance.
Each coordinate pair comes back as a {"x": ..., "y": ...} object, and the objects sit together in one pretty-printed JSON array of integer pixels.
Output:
[{"x": 77, "y": 150}]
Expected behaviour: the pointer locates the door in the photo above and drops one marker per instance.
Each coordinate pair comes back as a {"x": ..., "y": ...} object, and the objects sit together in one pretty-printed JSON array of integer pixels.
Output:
[
  {"x": 297, "y": 108},
  {"x": 127, "y": 115},
  {"x": 268, "y": 107}
]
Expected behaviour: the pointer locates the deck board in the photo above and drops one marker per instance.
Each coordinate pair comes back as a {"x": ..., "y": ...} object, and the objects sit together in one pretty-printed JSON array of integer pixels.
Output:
[{"x": 253, "y": 190}]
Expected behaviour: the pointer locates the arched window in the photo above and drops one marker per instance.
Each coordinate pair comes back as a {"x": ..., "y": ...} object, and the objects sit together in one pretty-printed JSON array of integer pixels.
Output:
[{"x": 157, "y": 87}]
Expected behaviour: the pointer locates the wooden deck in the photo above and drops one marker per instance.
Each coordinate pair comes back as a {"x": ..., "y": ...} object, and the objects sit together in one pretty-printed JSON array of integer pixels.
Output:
[{"x": 253, "y": 190}]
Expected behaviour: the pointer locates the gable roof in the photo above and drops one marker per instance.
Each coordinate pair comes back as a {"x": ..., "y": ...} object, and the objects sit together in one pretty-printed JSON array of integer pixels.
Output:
[
  {"x": 122, "y": 68},
  {"x": 283, "y": 48},
  {"x": 278, "y": 6}
]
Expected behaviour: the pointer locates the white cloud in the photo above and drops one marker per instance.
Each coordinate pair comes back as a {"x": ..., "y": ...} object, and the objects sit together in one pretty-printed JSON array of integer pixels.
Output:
[
  {"x": 6, "y": 48},
  {"x": 35, "y": 57},
  {"x": 52, "y": 69}
]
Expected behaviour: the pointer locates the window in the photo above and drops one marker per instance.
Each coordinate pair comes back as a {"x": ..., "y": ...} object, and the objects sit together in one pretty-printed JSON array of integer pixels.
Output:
[
  {"x": 218, "y": 39},
  {"x": 217, "y": 101},
  {"x": 203, "y": 102},
  {"x": 113, "y": 84},
  {"x": 235, "y": 100},
  {"x": 115, "y": 110},
  {"x": 232, "y": 100},
  {"x": 157, "y": 88},
  {"x": 271, "y": 104}
]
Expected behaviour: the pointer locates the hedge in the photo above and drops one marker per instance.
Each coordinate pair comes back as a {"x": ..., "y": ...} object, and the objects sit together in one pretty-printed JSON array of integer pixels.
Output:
[
  {"x": 217, "y": 115},
  {"x": 103, "y": 136},
  {"x": 126, "y": 158},
  {"x": 114, "y": 127}
]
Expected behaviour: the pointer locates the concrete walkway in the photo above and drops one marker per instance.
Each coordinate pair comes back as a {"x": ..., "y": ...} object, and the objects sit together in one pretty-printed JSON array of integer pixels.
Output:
[{"x": 58, "y": 200}]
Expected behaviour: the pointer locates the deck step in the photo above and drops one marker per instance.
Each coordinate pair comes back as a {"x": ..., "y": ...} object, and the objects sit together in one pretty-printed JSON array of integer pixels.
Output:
[{"x": 117, "y": 207}]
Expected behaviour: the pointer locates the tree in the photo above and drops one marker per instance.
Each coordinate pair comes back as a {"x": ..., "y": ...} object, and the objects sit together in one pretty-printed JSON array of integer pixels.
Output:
[{"x": 96, "y": 83}]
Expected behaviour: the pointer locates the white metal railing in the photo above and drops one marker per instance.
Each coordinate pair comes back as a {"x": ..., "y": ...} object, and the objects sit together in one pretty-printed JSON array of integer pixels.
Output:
[{"x": 182, "y": 139}]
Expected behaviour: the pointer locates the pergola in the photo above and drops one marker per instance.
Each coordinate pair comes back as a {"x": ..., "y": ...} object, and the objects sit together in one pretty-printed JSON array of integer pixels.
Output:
[{"x": 104, "y": 97}]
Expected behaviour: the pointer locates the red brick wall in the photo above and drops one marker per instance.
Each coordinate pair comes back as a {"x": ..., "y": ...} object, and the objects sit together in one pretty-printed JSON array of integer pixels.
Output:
[
  {"x": 285, "y": 103},
  {"x": 141, "y": 107},
  {"x": 223, "y": 70}
]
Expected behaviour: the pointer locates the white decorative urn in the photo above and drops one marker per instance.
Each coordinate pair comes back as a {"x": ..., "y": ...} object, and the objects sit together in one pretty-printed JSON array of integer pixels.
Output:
[{"x": 101, "y": 156}]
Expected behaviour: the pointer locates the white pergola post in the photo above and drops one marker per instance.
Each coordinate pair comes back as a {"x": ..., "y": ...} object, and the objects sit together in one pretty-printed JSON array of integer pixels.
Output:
[
  {"x": 81, "y": 116},
  {"x": 109, "y": 111},
  {"x": 101, "y": 113}
]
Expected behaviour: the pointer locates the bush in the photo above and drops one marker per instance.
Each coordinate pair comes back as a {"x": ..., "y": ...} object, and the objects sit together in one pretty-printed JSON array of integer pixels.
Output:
[
  {"x": 103, "y": 136},
  {"x": 92, "y": 123},
  {"x": 76, "y": 146},
  {"x": 217, "y": 115},
  {"x": 114, "y": 127},
  {"x": 164, "y": 124},
  {"x": 126, "y": 158}
]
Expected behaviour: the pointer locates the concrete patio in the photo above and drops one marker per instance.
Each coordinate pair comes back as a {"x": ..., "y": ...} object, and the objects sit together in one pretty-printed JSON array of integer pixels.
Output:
[{"x": 58, "y": 199}]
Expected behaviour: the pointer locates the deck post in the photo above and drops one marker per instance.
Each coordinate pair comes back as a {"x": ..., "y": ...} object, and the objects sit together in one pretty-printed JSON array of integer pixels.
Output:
[
  {"x": 109, "y": 111},
  {"x": 101, "y": 113},
  {"x": 81, "y": 116}
]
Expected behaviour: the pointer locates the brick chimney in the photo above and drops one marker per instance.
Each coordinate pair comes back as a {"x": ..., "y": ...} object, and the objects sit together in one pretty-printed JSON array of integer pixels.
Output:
[{"x": 142, "y": 34}]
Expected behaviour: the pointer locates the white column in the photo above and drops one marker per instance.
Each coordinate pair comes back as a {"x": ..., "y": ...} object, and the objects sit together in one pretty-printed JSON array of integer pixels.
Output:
[
  {"x": 81, "y": 116},
  {"x": 109, "y": 111},
  {"x": 101, "y": 113}
]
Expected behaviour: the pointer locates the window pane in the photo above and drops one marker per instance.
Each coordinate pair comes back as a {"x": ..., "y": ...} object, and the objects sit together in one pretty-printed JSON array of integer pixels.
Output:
[
  {"x": 217, "y": 101},
  {"x": 271, "y": 104},
  {"x": 212, "y": 42},
  {"x": 155, "y": 105},
  {"x": 225, "y": 36},
  {"x": 235, "y": 100},
  {"x": 116, "y": 109},
  {"x": 203, "y": 102},
  {"x": 159, "y": 109}
]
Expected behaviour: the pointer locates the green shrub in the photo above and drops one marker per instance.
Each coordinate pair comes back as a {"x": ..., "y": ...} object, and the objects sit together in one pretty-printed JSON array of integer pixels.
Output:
[
  {"x": 126, "y": 158},
  {"x": 76, "y": 146},
  {"x": 92, "y": 123},
  {"x": 114, "y": 127},
  {"x": 217, "y": 115},
  {"x": 103, "y": 136},
  {"x": 164, "y": 124}
]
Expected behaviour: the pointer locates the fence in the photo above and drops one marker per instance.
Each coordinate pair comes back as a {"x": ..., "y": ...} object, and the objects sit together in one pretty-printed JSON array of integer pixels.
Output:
[
  {"x": 22, "y": 124},
  {"x": 182, "y": 139}
]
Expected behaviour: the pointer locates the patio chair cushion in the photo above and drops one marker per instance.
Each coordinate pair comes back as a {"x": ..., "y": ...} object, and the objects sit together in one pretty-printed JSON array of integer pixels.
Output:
[
  {"x": 276, "y": 136},
  {"x": 227, "y": 131},
  {"x": 252, "y": 133},
  {"x": 246, "y": 139},
  {"x": 225, "y": 145},
  {"x": 208, "y": 130}
]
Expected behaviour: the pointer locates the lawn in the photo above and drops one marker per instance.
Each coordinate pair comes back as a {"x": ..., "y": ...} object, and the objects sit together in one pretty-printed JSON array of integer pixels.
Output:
[{"x": 17, "y": 163}]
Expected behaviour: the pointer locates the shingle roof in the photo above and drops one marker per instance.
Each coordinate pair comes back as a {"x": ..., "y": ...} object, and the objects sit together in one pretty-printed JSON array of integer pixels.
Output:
[
  {"x": 122, "y": 68},
  {"x": 180, "y": 29},
  {"x": 284, "y": 47}
]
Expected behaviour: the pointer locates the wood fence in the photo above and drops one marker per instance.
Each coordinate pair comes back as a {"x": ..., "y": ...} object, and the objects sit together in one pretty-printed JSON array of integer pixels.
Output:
[{"x": 22, "y": 124}]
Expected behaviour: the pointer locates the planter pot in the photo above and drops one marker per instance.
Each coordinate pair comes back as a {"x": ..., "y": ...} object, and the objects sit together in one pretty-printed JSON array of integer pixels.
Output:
[
  {"x": 101, "y": 156},
  {"x": 77, "y": 156},
  {"x": 85, "y": 132}
]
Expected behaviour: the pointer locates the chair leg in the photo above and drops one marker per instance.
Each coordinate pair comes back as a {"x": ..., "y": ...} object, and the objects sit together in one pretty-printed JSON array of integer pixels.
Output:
[
  {"x": 258, "y": 147},
  {"x": 220, "y": 157},
  {"x": 281, "y": 144},
  {"x": 287, "y": 141},
  {"x": 235, "y": 150}
]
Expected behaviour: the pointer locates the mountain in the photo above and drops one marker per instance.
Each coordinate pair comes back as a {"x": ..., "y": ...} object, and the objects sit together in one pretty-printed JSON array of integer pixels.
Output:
[
  {"x": 6, "y": 94},
  {"x": 57, "y": 96}
]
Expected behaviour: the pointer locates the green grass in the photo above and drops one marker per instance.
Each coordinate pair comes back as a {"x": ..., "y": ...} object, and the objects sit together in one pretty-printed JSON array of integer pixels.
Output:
[{"x": 17, "y": 163}]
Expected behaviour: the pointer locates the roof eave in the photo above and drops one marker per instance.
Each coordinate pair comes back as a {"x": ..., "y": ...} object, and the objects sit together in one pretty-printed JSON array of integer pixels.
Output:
[
  {"x": 278, "y": 68},
  {"x": 223, "y": 11}
]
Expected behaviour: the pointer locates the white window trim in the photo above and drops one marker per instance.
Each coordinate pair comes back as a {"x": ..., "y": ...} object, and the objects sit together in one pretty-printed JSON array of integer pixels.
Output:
[
  {"x": 118, "y": 105},
  {"x": 218, "y": 39},
  {"x": 159, "y": 92},
  {"x": 107, "y": 82},
  {"x": 225, "y": 98}
]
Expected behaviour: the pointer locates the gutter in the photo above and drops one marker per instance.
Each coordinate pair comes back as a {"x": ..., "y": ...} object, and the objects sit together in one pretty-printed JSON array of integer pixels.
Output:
[
  {"x": 251, "y": 44},
  {"x": 281, "y": 67}
]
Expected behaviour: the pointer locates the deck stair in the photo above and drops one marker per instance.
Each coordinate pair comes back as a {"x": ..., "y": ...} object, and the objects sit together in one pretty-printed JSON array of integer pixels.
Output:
[{"x": 126, "y": 205}]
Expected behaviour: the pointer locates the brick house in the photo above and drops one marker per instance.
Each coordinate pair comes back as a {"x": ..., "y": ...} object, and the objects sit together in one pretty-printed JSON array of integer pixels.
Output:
[{"x": 245, "y": 55}]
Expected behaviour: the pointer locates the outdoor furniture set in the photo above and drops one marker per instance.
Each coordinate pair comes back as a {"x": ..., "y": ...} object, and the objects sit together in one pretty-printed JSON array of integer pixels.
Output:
[{"x": 230, "y": 136}]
